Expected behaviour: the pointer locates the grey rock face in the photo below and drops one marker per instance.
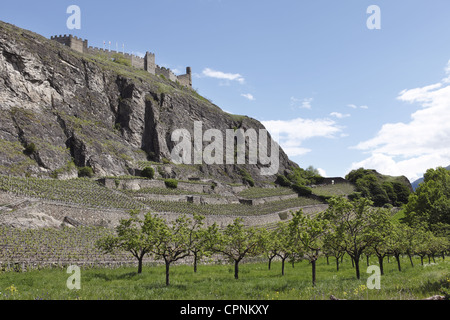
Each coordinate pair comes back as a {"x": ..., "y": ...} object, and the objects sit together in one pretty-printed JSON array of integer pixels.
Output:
[{"x": 82, "y": 110}]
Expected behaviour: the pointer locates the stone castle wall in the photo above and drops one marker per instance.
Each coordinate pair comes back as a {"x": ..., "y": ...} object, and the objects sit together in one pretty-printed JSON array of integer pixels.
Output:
[{"x": 147, "y": 63}]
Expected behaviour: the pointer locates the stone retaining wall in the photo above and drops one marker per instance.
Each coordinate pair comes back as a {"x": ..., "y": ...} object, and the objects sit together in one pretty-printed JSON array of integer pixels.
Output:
[{"x": 253, "y": 221}]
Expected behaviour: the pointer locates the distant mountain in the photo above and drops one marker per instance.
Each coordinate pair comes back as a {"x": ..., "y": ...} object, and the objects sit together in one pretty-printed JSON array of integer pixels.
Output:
[{"x": 416, "y": 183}]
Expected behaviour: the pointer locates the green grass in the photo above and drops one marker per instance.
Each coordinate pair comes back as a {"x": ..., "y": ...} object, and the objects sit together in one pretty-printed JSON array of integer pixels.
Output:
[
  {"x": 216, "y": 282},
  {"x": 340, "y": 189}
]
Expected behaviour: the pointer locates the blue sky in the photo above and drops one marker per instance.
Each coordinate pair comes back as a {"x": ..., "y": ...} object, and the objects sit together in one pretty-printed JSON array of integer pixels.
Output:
[{"x": 341, "y": 96}]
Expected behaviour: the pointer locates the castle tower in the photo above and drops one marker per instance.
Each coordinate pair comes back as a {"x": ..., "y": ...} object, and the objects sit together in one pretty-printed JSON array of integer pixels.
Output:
[
  {"x": 72, "y": 42},
  {"x": 189, "y": 73},
  {"x": 150, "y": 63}
]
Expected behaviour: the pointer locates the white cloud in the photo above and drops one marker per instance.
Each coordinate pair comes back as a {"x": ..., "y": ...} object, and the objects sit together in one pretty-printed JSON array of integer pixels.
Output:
[
  {"x": 354, "y": 106},
  {"x": 223, "y": 76},
  {"x": 322, "y": 172},
  {"x": 339, "y": 115},
  {"x": 424, "y": 142},
  {"x": 292, "y": 133},
  {"x": 248, "y": 96},
  {"x": 301, "y": 103}
]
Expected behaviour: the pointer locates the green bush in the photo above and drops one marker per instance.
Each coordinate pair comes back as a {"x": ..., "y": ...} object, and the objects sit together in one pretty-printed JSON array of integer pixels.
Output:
[
  {"x": 30, "y": 149},
  {"x": 305, "y": 177},
  {"x": 302, "y": 190},
  {"x": 247, "y": 178},
  {"x": 283, "y": 181},
  {"x": 85, "y": 172},
  {"x": 171, "y": 183},
  {"x": 354, "y": 196},
  {"x": 148, "y": 173}
]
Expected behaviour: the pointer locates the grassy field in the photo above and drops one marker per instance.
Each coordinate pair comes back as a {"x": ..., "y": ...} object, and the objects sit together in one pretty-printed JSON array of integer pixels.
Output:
[{"x": 216, "y": 282}]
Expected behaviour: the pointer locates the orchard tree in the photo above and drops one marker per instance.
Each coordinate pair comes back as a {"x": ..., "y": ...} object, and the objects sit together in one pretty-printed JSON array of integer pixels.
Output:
[
  {"x": 237, "y": 242},
  {"x": 307, "y": 235},
  {"x": 284, "y": 245},
  {"x": 270, "y": 245},
  {"x": 380, "y": 247},
  {"x": 172, "y": 241},
  {"x": 396, "y": 242},
  {"x": 423, "y": 243},
  {"x": 130, "y": 236},
  {"x": 357, "y": 224},
  {"x": 202, "y": 239},
  {"x": 334, "y": 246}
]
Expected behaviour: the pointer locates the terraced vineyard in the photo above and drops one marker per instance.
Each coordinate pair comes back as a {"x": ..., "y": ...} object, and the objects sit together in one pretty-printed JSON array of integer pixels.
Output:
[
  {"x": 47, "y": 247},
  {"x": 162, "y": 191},
  {"x": 80, "y": 191},
  {"x": 230, "y": 209},
  {"x": 257, "y": 193}
]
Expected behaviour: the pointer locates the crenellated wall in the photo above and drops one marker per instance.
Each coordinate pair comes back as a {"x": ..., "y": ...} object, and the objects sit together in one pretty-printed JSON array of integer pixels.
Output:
[{"x": 148, "y": 62}]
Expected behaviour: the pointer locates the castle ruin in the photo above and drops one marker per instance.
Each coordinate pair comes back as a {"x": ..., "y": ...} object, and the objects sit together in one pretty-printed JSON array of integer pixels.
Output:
[{"x": 146, "y": 63}]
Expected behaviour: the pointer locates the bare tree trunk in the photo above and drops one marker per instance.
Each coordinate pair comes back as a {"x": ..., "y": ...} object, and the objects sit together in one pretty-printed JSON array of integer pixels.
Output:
[
  {"x": 140, "y": 264},
  {"x": 380, "y": 262},
  {"x": 313, "y": 263},
  {"x": 236, "y": 269},
  {"x": 195, "y": 262},
  {"x": 167, "y": 273},
  {"x": 397, "y": 257},
  {"x": 410, "y": 260},
  {"x": 356, "y": 260}
]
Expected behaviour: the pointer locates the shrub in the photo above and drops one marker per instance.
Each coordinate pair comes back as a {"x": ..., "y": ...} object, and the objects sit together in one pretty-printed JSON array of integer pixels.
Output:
[
  {"x": 283, "y": 181},
  {"x": 171, "y": 183},
  {"x": 148, "y": 173},
  {"x": 247, "y": 178},
  {"x": 354, "y": 196},
  {"x": 85, "y": 172},
  {"x": 30, "y": 149},
  {"x": 302, "y": 190}
]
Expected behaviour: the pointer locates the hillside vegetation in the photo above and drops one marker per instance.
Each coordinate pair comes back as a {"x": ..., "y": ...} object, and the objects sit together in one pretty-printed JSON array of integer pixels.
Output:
[{"x": 381, "y": 189}]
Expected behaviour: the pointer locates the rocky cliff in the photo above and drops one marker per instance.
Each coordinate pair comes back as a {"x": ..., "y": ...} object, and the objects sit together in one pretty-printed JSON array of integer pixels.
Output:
[{"x": 60, "y": 110}]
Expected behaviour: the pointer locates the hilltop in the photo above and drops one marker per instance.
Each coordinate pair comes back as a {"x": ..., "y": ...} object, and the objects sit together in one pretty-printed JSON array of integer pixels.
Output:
[{"x": 381, "y": 189}]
